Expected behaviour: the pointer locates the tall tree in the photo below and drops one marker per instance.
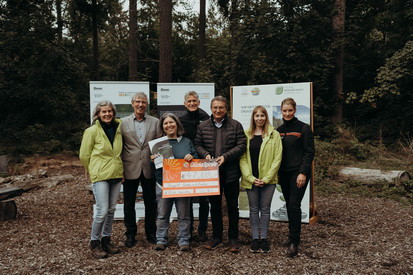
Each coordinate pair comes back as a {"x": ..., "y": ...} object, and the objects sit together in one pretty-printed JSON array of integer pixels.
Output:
[
  {"x": 165, "y": 41},
  {"x": 133, "y": 45},
  {"x": 95, "y": 43},
  {"x": 202, "y": 26},
  {"x": 338, "y": 30},
  {"x": 59, "y": 21}
]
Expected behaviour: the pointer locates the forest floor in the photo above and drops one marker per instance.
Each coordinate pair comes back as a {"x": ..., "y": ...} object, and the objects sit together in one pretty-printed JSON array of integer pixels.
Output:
[{"x": 353, "y": 235}]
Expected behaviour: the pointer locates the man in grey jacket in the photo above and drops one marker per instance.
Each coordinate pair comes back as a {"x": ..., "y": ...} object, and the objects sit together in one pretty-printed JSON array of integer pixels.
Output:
[
  {"x": 222, "y": 139},
  {"x": 137, "y": 129}
]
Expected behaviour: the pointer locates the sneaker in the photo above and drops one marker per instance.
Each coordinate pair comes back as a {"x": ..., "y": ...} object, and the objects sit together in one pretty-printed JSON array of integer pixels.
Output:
[
  {"x": 202, "y": 237},
  {"x": 255, "y": 246},
  {"x": 234, "y": 246},
  {"x": 212, "y": 244},
  {"x": 264, "y": 246},
  {"x": 184, "y": 247},
  {"x": 160, "y": 246},
  {"x": 97, "y": 250}
]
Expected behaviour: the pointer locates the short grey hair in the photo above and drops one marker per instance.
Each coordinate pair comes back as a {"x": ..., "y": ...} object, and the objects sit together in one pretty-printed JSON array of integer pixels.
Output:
[
  {"x": 191, "y": 93},
  {"x": 99, "y": 106},
  {"x": 139, "y": 95},
  {"x": 180, "y": 128}
]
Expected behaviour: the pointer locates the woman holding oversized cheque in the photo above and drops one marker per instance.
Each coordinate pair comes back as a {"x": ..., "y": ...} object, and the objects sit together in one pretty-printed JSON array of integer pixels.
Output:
[
  {"x": 182, "y": 148},
  {"x": 259, "y": 167}
]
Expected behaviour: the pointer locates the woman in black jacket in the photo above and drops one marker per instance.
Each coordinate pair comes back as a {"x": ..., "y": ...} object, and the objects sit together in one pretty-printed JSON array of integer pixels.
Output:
[{"x": 296, "y": 168}]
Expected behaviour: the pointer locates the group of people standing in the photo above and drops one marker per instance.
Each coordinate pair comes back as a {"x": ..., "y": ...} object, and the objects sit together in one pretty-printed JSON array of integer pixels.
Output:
[{"x": 116, "y": 151}]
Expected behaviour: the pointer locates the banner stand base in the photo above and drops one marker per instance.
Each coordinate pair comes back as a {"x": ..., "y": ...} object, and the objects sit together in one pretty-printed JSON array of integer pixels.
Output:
[{"x": 313, "y": 220}]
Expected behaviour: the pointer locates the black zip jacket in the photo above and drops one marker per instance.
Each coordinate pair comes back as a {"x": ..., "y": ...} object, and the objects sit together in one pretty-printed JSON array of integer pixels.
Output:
[
  {"x": 298, "y": 147},
  {"x": 191, "y": 120}
]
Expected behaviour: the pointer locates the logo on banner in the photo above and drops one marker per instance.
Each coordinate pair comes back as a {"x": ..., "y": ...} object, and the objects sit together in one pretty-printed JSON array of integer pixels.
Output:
[
  {"x": 128, "y": 94},
  {"x": 279, "y": 90},
  {"x": 244, "y": 92},
  {"x": 203, "y": 95},
  {"x": 255, "y": 91}
]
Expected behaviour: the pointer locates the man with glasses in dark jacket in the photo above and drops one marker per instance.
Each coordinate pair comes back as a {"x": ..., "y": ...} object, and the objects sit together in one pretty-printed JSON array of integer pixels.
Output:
[{"x": 222, "y": 139}]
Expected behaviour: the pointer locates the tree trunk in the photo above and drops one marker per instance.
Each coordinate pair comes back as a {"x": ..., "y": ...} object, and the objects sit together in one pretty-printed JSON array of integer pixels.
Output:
[
  {"x": 233, "y": 26},
  {"x": 59, "y": 21},
  {"x": 338, "y": 31},
  {"x": 165, "y": 37},
  {"x": 202, "y": 26},
  {"x": 95, "y": 65},
  {"x": 133, "y": 47}
]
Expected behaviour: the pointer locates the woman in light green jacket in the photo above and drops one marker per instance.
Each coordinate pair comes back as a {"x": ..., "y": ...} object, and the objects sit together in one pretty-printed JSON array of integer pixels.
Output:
[
  {"x": 100, "y": 154},
  {"x": 259, "y": 167}
]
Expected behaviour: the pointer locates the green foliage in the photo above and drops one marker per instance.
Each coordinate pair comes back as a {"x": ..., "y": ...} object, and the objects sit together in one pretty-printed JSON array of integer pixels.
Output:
[
  {"x": 395, "y": 76},
  {"x": 43, "y": 84}
]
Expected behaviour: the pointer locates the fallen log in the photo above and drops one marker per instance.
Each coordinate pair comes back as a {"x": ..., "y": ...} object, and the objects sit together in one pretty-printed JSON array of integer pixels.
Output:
[
  {"x": 372, "y": 175},
  {"x": 10, "y": 192}
]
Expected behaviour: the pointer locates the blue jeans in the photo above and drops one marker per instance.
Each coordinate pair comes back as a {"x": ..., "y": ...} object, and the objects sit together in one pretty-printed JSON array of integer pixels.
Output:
[
  {"x": 183, "y": 206},
  {"x": 259, "y": 199},
  {"x": 106, "y": 195}
]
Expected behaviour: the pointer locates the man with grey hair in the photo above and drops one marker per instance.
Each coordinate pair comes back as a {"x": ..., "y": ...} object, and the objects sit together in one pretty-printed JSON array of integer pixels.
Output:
[
  {"x": 190, "y": 120},
  {"x": 137, "y": 129}
]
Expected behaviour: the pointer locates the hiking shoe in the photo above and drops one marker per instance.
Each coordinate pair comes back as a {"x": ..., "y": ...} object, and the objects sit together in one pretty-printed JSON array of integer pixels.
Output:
[
  {"x": 202, "y": 237},
  {"x": 130, "y": 241},
  {"x": 255, "y": 246},
  {"x": 151, "y": 239},
  {"x": 97, "y": 250},
  {"x": 184, "y": 247},
  {"x": 234, "y": 246},
  {"x": 108, "y": 247},
  {"x": 160, "y": 246},
  {"x": 287, "y": 242},
  {"x": 264, "y": 246},
  {"x": 292, "y": 251},
  {"x": 212, "y": 244}
]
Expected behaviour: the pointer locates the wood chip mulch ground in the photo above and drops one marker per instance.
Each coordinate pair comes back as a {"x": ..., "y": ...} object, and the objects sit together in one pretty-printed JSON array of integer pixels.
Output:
[{"x": 353, "y": 235}]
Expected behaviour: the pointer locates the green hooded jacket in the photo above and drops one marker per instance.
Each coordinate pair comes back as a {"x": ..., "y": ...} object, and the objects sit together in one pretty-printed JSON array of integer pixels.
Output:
[
  {"x": 269, "y": 159},
  {"x": 101, "y": 160}
]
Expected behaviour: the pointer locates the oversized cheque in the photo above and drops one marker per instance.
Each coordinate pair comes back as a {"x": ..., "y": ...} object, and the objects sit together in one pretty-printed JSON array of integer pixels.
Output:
[{"x": 198, "y": 177}]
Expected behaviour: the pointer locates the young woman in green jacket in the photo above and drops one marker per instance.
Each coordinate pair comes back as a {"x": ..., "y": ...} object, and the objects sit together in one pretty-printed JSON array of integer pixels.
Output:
[
  {"x": 100, "y": 154},
  {"x": 259, "y": 167}
]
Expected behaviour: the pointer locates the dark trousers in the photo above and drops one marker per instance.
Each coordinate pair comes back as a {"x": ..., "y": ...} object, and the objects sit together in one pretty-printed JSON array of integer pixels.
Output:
[
  {"x": 231, "y": 192},
  {"x": 293, "y": 197},
  {"x": 130, "y": 187},
  {"x": 203, "y": 214}
]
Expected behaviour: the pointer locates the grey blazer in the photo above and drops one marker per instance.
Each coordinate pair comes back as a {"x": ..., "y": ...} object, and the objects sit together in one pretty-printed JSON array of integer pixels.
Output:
[{"x": 136, "y": 157}]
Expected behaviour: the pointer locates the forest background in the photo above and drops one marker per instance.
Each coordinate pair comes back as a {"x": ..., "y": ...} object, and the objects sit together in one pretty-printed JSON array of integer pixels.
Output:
[{"x": 358, "y": 54}]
